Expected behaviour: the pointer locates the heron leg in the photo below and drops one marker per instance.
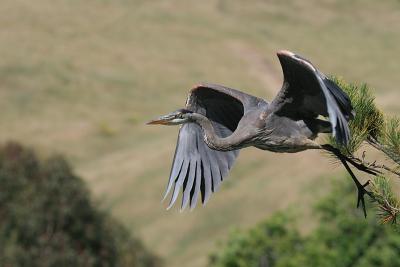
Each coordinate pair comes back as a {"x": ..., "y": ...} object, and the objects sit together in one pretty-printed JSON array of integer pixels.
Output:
[
  {"x": 361, "y": 191},
  {"x": 360, "y": 187}
]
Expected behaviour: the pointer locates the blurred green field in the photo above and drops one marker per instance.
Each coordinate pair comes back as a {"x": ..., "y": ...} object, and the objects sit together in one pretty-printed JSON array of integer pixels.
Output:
[{"x": 81, "y": 78}]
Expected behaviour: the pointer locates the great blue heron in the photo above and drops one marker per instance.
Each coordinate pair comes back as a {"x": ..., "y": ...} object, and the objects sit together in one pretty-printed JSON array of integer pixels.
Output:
[{"x": 218, "y": 121}]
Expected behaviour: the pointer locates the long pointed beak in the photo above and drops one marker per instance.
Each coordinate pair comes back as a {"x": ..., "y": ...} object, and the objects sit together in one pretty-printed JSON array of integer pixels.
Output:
[
  {"x": 169, "y": 119},
  {"x": 157, "y": 121}
]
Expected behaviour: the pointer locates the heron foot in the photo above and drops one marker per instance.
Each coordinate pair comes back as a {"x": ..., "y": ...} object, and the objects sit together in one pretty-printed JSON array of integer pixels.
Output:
[
  {"x": 360, "y": 187},
  {"x": 360, "y": 196}
]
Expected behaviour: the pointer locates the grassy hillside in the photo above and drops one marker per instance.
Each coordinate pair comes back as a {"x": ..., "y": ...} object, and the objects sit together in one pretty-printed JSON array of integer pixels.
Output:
[{"x": 82, "y": 77}]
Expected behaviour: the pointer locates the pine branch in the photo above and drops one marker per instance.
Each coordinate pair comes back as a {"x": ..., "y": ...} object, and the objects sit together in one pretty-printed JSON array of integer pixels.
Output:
[
  {"x": 386, "y": 200},
  {"x": 381, "y": 132},
  {"x": 374, "y": 165},
  {"x": 390, "y": 149}
]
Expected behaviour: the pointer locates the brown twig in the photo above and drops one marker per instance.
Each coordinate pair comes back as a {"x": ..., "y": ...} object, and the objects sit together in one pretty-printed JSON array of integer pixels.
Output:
[
  {"x": 375, "y": 166},
  {"x": 375, "y": 143}
]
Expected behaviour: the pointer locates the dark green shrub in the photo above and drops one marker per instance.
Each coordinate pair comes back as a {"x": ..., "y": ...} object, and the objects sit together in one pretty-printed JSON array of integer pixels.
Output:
[
  {"x": 47, "y": 218},
  {"x": 342, "y": 238}
]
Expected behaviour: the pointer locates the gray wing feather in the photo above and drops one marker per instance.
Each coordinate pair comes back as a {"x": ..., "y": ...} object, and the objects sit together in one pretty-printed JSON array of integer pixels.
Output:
[
  {"x": 215, "y": 170},
  {"x": 205, "y": 165},
  {"x": 196, "y": 167},
  {"x": 196, "y": 189},
  {"x": 188, "y": 186},
  {"x": 179, "y": 183},
  {"x": 336, "y": 117},
  {"x": 176, "y": 167}
]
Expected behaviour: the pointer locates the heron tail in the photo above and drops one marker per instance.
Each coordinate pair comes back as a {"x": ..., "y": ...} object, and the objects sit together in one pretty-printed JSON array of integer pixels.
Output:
[{"x": 341, "y": 98}]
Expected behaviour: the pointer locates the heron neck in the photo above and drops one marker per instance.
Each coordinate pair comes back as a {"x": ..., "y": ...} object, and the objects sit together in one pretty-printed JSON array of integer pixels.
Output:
[{"x": 212, "y": 139}]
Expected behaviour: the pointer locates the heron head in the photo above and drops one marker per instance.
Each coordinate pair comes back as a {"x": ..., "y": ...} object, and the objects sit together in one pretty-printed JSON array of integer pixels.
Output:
[{"x": 179, "y": 116}]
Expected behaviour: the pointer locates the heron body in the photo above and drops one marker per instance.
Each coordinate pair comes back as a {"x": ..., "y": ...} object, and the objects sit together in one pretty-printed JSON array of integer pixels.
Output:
[
  {"x": 267, "y": 132},
  {"x": 218, "y": 121}
]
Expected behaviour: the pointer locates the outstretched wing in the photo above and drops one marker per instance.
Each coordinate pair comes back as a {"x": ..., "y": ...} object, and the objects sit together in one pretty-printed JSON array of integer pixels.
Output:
[
  {"x": 307, "y": 93},
  {"x": 197, "y": 168}
]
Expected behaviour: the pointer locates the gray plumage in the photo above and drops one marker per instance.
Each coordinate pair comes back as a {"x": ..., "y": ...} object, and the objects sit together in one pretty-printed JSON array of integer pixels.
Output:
[{"x": 218, "y": 121}]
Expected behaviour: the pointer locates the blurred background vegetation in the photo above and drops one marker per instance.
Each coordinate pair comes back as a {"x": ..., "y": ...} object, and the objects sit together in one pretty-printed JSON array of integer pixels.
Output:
[
  {"x": 48, "y": 219},
  {"x": 80, "y": 78},
  {"x": 342, "y": 237}
]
